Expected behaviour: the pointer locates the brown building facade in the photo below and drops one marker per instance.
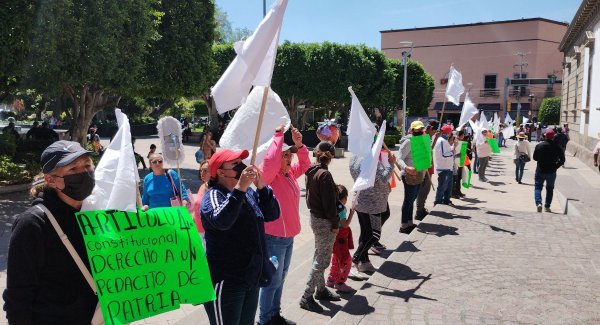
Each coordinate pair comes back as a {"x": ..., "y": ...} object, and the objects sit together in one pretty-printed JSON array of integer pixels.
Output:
[{"x": 487, "y": 54}]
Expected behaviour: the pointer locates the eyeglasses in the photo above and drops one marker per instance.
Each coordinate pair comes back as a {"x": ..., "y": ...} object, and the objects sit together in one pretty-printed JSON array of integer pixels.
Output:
[{"x": 157, "y": 162}]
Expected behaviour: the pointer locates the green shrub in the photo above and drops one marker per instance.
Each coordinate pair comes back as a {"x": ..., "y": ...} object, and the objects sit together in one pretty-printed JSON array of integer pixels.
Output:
[
  {"x": 12, "y": 173},
  {"x": 550, "y": 111},
  {"x": 391, "y": 140},
  {"x": 8, "y": 145}
]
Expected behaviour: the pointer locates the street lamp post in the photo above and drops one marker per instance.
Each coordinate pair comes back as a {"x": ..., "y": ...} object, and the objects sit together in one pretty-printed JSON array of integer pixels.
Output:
[{"x": 405, "y": 56}]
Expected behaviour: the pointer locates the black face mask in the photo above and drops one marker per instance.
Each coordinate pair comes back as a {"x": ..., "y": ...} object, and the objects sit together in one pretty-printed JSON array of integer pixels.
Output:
[
  {"x": 239, "y": 168},
  {"x": 79, "y": 186},
  {"x": 416, "y": 134}
]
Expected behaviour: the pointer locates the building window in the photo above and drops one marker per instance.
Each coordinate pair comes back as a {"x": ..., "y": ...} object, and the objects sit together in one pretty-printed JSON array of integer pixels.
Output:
[
  {"x": 489, "y": 81},
  {"x": 523, "y": 91}
]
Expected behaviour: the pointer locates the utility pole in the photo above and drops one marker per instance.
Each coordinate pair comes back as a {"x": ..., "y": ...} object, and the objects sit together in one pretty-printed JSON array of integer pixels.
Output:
[{"x": 522, "y": 64}]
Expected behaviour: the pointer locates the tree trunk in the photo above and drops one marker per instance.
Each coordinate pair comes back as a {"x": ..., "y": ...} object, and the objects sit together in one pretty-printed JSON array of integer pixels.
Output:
[
  {"x": 213, "y": 115},
  {"x": 86, "y": 104}
]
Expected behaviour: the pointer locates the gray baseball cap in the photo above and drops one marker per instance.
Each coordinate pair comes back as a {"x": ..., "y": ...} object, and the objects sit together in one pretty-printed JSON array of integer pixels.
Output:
[
  {"x": 61, "y": 153},
  {"x": 290, "y": 147}
]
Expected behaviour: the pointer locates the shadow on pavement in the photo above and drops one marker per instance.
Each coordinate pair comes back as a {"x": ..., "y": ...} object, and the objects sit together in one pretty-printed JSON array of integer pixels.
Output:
[
  {"x": 407, "y": 246},
  {"x": 437, "y": 230},
  {"x": 359, "y": 305},
  {"x": 473, "y": 200},
  {"x": 447, "y": 215},
  {"x": 394, "y": 270},
  {"x": 499, "y": 214},
  {"x": 496, "y": 183}
]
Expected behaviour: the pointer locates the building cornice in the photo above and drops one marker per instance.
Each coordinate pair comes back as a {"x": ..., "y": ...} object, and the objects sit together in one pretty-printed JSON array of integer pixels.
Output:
[
  {"x": 478, "y": 24},
  {"x": 586, "y": 12}
]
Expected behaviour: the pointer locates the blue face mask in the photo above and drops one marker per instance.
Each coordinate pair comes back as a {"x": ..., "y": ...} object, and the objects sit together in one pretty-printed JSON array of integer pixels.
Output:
[{"x": 445, "y": 136}]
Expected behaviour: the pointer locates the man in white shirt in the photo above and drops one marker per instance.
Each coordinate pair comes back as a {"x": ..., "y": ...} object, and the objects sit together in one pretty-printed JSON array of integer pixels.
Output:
[
  {"x": 597, "y": 154},
  {"x": 483, "y": 152},
  {"x": 443, "y": 155}
]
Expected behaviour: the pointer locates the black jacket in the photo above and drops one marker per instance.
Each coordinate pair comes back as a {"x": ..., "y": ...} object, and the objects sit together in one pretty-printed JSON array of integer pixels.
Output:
[
  {"x": 235, "y": 234},
  {"x": 549, "y": 156},
  {"x": 44, "y": 285},
  {"x": 322, "y": 194}
]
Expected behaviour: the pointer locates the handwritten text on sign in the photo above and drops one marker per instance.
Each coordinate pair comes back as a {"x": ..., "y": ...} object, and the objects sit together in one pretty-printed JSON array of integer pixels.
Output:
[
  {"x": 420, "y": 148},
  {"x": 145, "y": 263}
]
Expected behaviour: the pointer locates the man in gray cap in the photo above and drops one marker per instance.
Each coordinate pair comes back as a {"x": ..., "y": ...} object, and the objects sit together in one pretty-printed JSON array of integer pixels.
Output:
[{"x": 44, "y": 284}]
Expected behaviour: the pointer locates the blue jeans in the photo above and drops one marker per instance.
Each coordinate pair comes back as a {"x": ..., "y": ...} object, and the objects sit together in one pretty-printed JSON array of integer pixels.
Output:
[
  {"x": 410, "y": 195},
  {"x": 444, "y": 190},
  {"x": 500, "y": 140},
  {"x": 520, "y": 167},
  {"x": 270, "y": 297},
  {"x": 235, "y": 304},
  {"x": 540, "y": 178}
]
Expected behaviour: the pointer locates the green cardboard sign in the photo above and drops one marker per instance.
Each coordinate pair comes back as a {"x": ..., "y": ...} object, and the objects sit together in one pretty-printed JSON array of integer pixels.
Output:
[
  {"x": 466, "y": 178},
  {"x": 463, "y": 152},
  {"x": 494, "y": 145},
  {"x": 420, "y": 148},
  {"x": 145, "y": 263}
]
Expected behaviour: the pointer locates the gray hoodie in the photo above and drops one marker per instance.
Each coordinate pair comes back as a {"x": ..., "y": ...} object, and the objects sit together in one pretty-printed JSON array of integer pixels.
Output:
[{"x": 372, "y": 200}]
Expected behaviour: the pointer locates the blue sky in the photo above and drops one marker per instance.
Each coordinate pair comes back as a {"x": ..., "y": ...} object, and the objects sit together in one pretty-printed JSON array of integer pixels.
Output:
[{"x": 360, "y": 21}]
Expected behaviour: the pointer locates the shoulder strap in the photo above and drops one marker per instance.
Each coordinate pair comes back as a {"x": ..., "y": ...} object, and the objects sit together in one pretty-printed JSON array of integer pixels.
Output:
[
  {"x": 69, "y": 246},
  {"x": 168, "y": 172}
]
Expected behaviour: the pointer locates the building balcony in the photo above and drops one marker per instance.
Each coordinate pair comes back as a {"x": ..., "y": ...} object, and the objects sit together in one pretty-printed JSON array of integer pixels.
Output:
[
  {"x": 489, "y": 92},
  {"x": 515, "y": 92}
]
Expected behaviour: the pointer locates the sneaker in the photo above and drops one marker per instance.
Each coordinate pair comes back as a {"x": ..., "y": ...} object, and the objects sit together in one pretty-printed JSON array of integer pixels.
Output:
[
  {"x": 356, "y": 274},
  {"x": 483, "y": 180},
  {"x": 311, "y": 305},
  {"x": 408, "y": 229},
  {"x": 342, "y": 287},
  {"x": 420, "y": 215},
  {"x": 380, "y": 246},
  {"x": 330, "y": 284},
  {"x": 375, "y": 250},
  {"x": 327, "y": 295},
  {"x": 280, "y": 320},
  {"x": 547, "y": 210},
  {"x": 539, "y": 207},
  {"x": 366, "y": 267}
]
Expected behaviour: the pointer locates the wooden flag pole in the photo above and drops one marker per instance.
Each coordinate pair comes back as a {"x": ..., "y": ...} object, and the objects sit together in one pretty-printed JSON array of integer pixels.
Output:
[{"x": 259, "y": 125}]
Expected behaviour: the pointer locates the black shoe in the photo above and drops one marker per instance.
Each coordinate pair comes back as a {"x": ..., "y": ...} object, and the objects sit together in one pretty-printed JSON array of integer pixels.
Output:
[
  {"x": 327, "y": 295},
  {"x": 280, "y": 320},
  {"x": 421, "y": 214},
  {"x": 311, "y": 305},
  {"x": 408, "y": 229}
]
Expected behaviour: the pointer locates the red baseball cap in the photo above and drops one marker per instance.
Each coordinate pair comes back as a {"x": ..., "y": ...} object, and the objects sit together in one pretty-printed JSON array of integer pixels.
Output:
[
  {"x": 446, "y": 129},
  {"x": 222, "y": 156},
  {"x": 549, "y": 133}
]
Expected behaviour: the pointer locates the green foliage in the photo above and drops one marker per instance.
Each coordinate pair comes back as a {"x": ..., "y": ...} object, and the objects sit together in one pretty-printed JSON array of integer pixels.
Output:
[
  {"x": 11, "y": 173},
  {"x": 419, "y": 87},
  {"x": 550, "y": 111},
  {"x": 8, "y": 145},
  {"x": 391, "y": 140},
  {"x": 200, "y": 108},
  {"x": 224, "y": 32},
  {"x": 182, "y": 107}
]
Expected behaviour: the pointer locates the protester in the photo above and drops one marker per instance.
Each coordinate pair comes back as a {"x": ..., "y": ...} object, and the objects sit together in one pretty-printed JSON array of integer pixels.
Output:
[
  {"x": 321, "y": 199},
  {"x": 411, "y": 179},
  {"x": 46, "y": 133},
  {"x": 341, "y": 260},
  {"x": 597, "y": 154},
  {"x": 501, "y": 140},
  {"x": 443, "y": 157},
  {"x": 162, "y": 186},
  {"x": 208, "y": 146},
  {"x": 138, "y": 157},
  {"x": 44, "y": 284},
  {"x": 94, "y": 139},
  {"x": 204, "y": 176},
  {"x": 483, "y": 155},
  {"x": 561, "y": 139},
  {"x": 457, "y": 177},
  {"x": 279, "y": 172},
  {"x": 10, "y": 130},
  {"x": 152, "y": 150},
  {"x": 521, "y": 155},
  {"x": 549, "y": 158},
  {"x": 431, "y": 128},
  {"x": 371, "y": 204},
  {"x": 233, "y": 215},
  {"x": 33, "y": 133}
]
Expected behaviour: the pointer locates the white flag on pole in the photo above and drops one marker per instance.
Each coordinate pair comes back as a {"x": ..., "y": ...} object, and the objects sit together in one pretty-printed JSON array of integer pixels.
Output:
[
  {"x": 116, "y": 174},
  {"x": 468, "y": 111},
  {"x": 483, "y": 122},
  {"x": 496, "y": 123},
  {"x": 525, "y": 120},
  {"x": 368, "y": 166},
  {"x": 509, "y": 130},
  {"x": 253, "y": 64},
  {"x": 455, "y": 87},
  {"x": 240, "y": 131},
  {"x": 361, "y": 130}
]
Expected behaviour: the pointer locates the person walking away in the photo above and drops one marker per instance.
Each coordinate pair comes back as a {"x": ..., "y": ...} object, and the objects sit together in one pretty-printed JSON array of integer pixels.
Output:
[
  {"x": 321, "y": 199},
  {"x": 44, "y": 285},
  {"x": 597, "y": 154},
  {"x": 411, "y": 179},
  {"x": 443, "y": 157},
  {"x": 341, "y": 260},
  {"x": 483, "y": 154},
  {"x": 456, "y": 185},
  {"x": 371, "y": 204},
  {"x": 233, "y": 216},
  {"x": 282, "y": 175},
  {"x": 521, "y": 155},
  {"x": 549, "y": 158},
  {"x": 431, "y": 129},
  {"x": 560, "y": 139}
]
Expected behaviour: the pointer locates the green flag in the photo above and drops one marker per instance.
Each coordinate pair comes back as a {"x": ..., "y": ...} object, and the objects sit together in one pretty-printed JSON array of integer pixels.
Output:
[
  {"x": 463, "y": 152},
  {"x": 493, "y": 145},
  {"x": 145, "y": 263},
  {"x": 466, "y": 177},
  {"x": 420, "y": 148}
]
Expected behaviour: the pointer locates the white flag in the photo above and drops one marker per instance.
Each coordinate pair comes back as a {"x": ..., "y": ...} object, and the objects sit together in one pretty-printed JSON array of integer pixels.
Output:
[
  {"x": 483, "y": 122},
  {"x": 361, "y": 130},
  {"x": 368, "y": 166},
  {"x": 508, "y": 120},
  {"x": 496, "y": 123},
  {"x": 116, "y": 174},
  {"x": 509, "y": 130},
  {"x": 525, "y": 120},
  {"x": 455, "y": 87},
  {"x": 468, "y": 111},
  {"x": 241, "y": 130},
  {"x": 253, "y": 64}
]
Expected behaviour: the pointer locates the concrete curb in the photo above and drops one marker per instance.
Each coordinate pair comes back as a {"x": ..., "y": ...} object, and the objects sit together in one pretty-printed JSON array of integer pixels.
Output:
[{"x": 15, "y": 188}]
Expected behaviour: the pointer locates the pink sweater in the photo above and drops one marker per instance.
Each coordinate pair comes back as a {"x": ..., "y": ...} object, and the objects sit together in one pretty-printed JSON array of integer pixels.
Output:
[{"x": 285, "y": 187}]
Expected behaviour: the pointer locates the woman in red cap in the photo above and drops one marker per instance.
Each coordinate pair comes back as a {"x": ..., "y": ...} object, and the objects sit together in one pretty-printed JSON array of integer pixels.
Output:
[{"x": 233, "y": 216}]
